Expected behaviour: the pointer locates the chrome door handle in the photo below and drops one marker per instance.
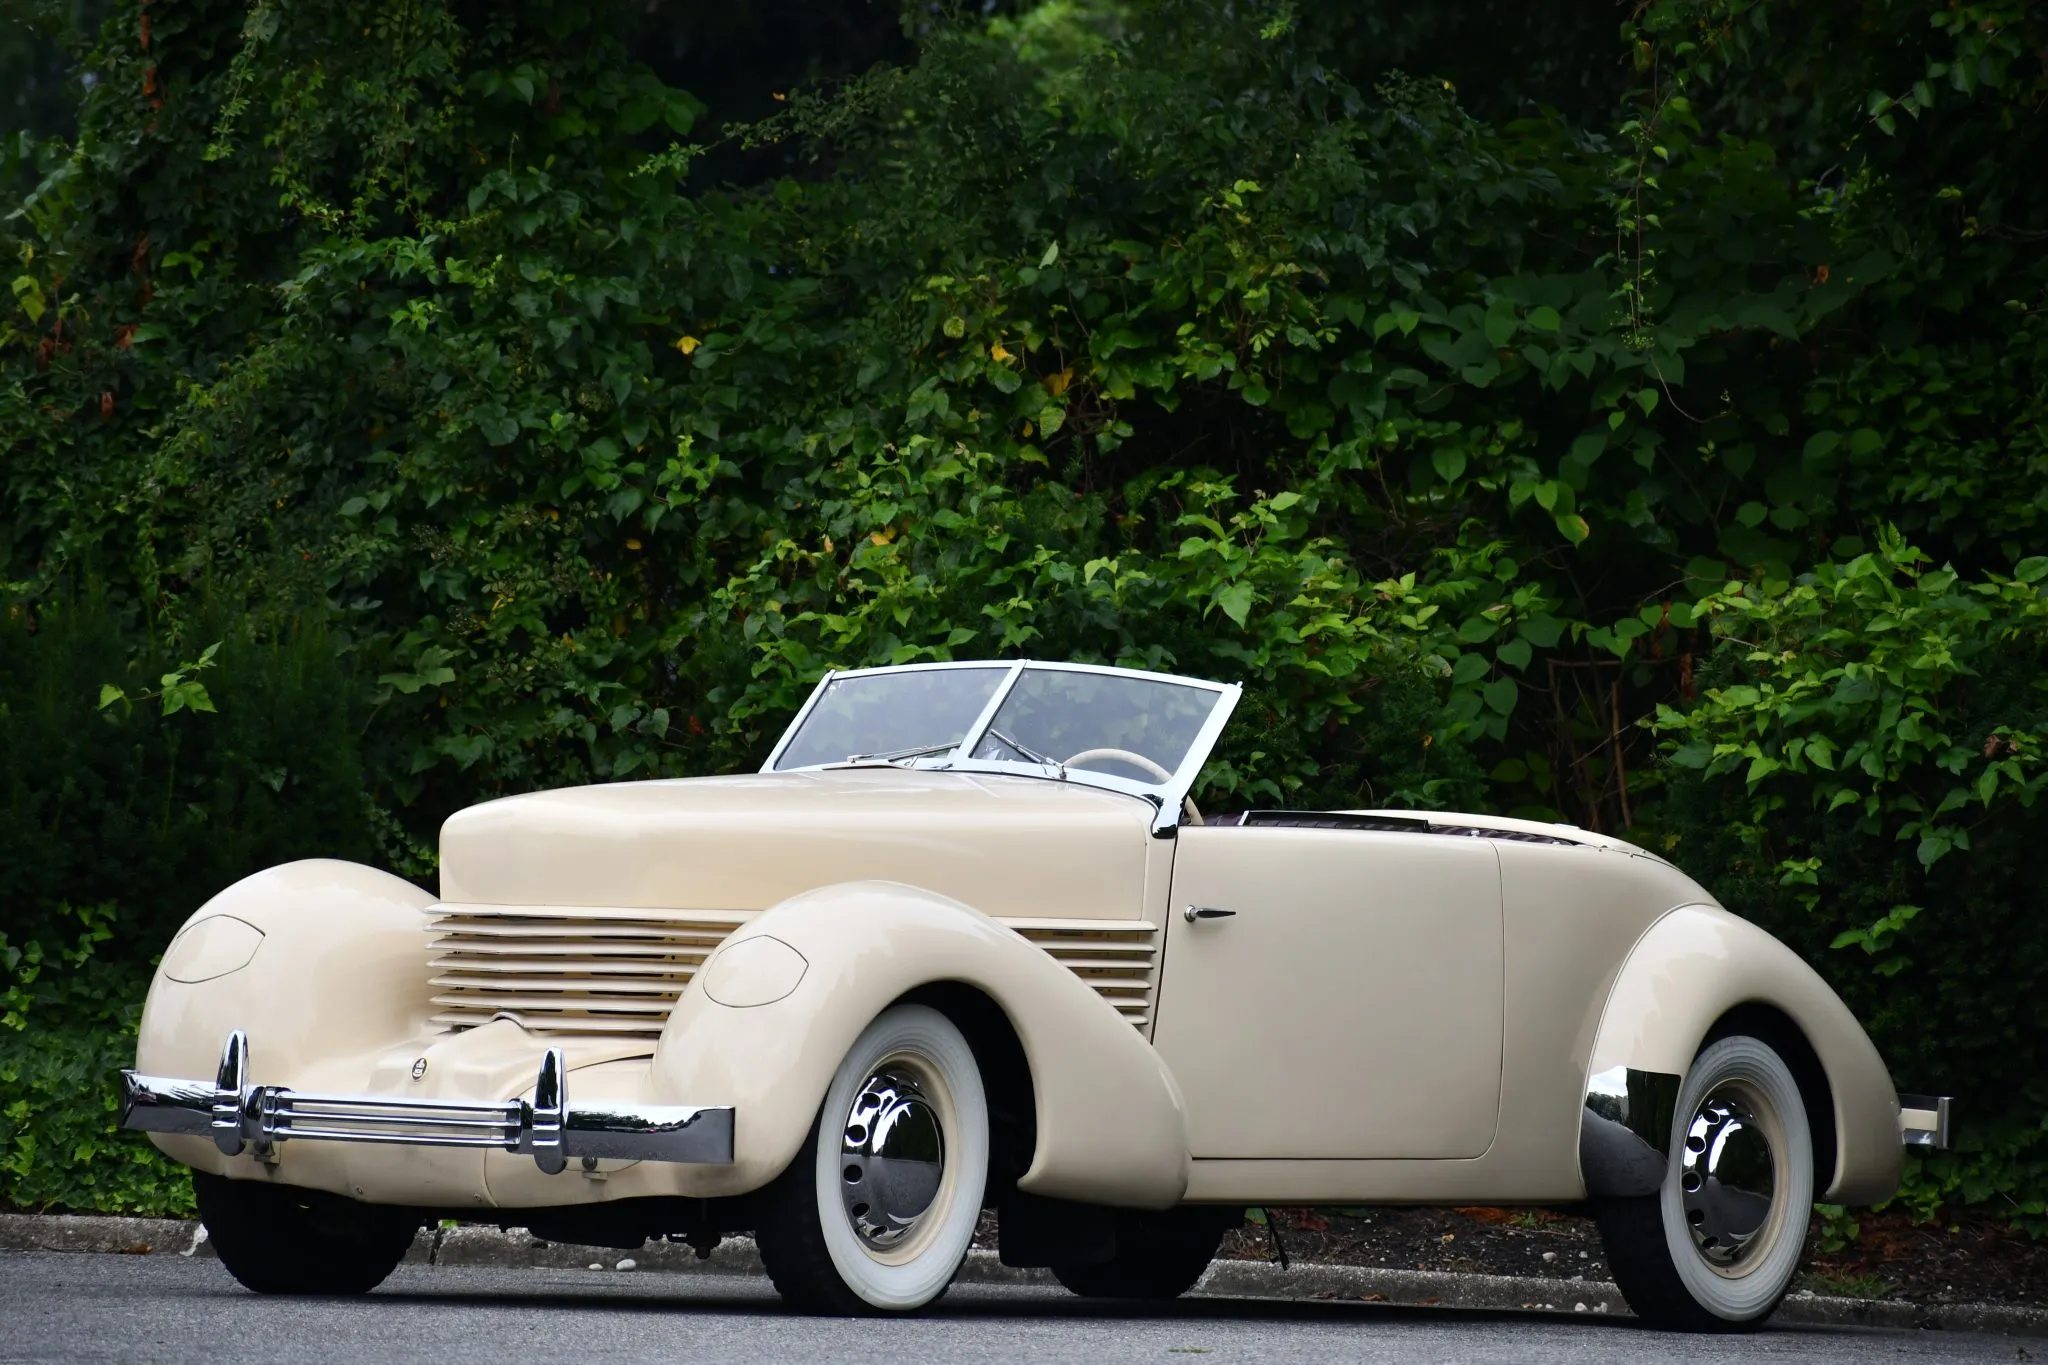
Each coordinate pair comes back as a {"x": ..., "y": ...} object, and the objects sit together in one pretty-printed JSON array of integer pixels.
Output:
[{"x": 1201, "y": 912}]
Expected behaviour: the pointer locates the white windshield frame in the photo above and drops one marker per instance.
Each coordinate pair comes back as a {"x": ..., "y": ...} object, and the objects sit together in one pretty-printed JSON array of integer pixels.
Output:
[{"x": 1168, "y": 797}]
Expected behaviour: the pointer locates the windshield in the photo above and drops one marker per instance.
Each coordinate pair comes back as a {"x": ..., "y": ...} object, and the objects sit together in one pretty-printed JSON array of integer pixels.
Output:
[
  {"x": 1119, "y": 726},
  {"x": 1125, "y": 726},
  {"x": 883, "y": 713}
]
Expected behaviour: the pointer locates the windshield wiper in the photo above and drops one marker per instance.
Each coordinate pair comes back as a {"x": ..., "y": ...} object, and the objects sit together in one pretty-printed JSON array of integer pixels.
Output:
[
  {"x": 1030, "y": 755},
  {"x": 899, "y": 755}
]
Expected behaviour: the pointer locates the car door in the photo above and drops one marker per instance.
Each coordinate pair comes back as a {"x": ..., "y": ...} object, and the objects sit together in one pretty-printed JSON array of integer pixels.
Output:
[{"x": 1348, "y": 1005}]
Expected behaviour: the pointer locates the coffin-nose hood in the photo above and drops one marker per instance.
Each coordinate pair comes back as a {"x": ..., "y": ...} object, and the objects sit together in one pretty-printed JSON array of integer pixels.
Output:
[{"x": 1005, "y": 845}]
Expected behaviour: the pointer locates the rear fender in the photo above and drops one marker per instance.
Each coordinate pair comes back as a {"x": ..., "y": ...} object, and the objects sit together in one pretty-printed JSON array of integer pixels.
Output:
[
  {"x": 1111, "y": 1128},
  {"x": 1697, "y": 963}
]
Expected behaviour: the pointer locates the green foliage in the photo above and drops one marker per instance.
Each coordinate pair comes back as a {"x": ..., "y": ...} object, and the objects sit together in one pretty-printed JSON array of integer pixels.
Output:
[
  {"x": 177, "y": 690},
  {"x": 1440, "y": 405},
  {"x": 1848, "y": 1286},
  {"x": 157, "y": 808},
  {"x": 1867, "y": 763},
  {"x": 69, "y": 1026},
  {"x": 1855, "y": 702}
]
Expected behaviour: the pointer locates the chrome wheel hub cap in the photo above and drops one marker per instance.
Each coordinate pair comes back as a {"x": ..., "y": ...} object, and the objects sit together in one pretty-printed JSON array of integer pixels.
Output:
[
  {"x": 1727, "y": 1178},
  {"x": 892, "y": 1158}
]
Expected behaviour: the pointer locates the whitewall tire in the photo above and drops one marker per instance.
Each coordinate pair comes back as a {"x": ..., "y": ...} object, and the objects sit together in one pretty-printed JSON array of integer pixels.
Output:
[
  {"x": 877, "y": 1211},
  {"x": 1716, "y": 1247}
]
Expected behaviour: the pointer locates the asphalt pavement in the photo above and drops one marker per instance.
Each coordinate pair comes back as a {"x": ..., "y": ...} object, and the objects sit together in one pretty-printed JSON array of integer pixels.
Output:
[{"x": 174, "y": 1308}]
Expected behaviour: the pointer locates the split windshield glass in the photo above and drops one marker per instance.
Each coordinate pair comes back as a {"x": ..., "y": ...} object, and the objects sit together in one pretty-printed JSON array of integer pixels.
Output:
[
  {"x": 874, "y": 714},
  {"x": 1135, "y": 727}
]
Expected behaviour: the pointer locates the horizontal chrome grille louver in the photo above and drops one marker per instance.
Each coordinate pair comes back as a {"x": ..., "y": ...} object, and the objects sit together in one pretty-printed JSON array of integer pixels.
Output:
[
  {"x": 1115, "y": 956},
  {"x": 591, "y": 970},
  {"x": 569, "y": 969}
]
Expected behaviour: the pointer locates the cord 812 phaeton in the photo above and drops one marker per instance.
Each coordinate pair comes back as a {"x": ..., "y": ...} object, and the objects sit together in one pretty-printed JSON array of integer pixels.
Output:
[{"x": 966, "y": 943}]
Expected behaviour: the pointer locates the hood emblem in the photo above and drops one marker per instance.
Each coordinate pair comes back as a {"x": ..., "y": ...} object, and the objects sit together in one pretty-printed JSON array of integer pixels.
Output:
[{"x": 419, "y": 1068}]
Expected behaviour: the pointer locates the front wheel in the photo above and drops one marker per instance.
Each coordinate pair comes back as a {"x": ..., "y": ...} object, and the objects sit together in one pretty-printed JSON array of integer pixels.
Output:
[
  {"x": 1715, "y": 1248},
  {"x": 279, "y": 1240},
  {"x": 877, "y": 1211}
]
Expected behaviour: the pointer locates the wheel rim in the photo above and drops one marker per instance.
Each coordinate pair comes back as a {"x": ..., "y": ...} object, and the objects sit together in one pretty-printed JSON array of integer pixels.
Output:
[
  {"x": 892, "y": 1158},
  {"x": 1731, "y": 1168}
]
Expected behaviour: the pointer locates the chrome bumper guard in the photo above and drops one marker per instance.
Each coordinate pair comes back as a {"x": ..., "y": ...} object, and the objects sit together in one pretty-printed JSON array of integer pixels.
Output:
[
  {"x": 1923, "y": 1120},
  {"x": 239, "y": 1116}
]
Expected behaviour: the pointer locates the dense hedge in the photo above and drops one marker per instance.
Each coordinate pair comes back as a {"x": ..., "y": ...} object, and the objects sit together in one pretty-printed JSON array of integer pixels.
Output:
[
  {"x": 1507, "y": 404},
  {"x": 118, "y": 822}
]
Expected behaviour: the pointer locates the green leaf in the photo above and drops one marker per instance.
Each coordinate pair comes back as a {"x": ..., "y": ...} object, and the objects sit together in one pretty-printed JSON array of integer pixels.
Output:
[
  {"x": 497, "y": 426},
  {"x": 1500, "y": 695},
  {"x": 1236, "y": 600},
  {"x": 1573, "y": 527},
  {"x": 1544, "y": 318},
  {"x": 28, "y": 292},
  {"x": 1515, "y": 653},
  {"x": 109, "y": 694},
  {"x": 1449, "y": 462}
]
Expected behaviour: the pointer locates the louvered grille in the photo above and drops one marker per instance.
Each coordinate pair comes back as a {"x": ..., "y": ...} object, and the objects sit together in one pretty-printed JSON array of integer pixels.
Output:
[
  {"x": 570, "y": 969},
  {"x": 587, "y": 970},
  {"x": 1115, "y": 956}
]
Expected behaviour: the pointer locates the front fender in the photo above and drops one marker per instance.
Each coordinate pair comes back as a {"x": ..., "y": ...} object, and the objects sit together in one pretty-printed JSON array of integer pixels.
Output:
[
  {"x": 1111, "y": 1126},
  {"x": 315, "y": 960},
  {"x": 1698, "y": 962}
]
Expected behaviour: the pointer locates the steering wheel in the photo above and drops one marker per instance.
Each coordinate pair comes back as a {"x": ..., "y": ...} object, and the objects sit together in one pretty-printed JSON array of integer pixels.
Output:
[{"x": 1121, "y": 756}]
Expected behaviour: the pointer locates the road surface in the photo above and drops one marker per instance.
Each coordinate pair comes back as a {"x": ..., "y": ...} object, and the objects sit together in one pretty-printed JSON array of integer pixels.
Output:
[{"x": 171, "y": 1308}]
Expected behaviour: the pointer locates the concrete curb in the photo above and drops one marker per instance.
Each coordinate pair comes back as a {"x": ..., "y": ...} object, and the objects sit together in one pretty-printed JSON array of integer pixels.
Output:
[{"x": 477, "y": 1246}]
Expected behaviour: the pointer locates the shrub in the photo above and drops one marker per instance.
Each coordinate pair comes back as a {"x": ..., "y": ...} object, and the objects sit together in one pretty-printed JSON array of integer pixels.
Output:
[
  {"x": 1863, "y": 777},
  {"x": 127, "y": 805}
]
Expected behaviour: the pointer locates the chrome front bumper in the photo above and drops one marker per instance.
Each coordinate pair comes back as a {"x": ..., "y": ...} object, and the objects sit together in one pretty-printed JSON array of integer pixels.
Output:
[{"x": 239, "y": 1116}]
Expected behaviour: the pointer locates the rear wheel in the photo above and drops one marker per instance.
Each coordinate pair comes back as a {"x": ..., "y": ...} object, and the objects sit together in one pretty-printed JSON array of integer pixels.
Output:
[
  {"x": 877, "y": 1211},
  {"x": 279, "y": 1240},
  {"x": 1158, "y": 1255},
  {"x": 1716, "y": 1247}
]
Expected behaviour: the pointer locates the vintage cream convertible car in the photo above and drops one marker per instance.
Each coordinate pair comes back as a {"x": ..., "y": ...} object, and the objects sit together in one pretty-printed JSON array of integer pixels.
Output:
[{"x": 965, "y": 943}]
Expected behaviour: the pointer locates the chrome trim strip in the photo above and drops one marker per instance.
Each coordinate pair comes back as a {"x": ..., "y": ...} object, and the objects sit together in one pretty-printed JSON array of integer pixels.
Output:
[
  {"x": 802, "y": 714},
  {"x": 1174, "y": 798},
  {"x": 970, "y": 741},
  {"x": 1625, "y": 1131},
  {"x": 1924, "y": 1121},
  {"x": 239, "y": 1116}
]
